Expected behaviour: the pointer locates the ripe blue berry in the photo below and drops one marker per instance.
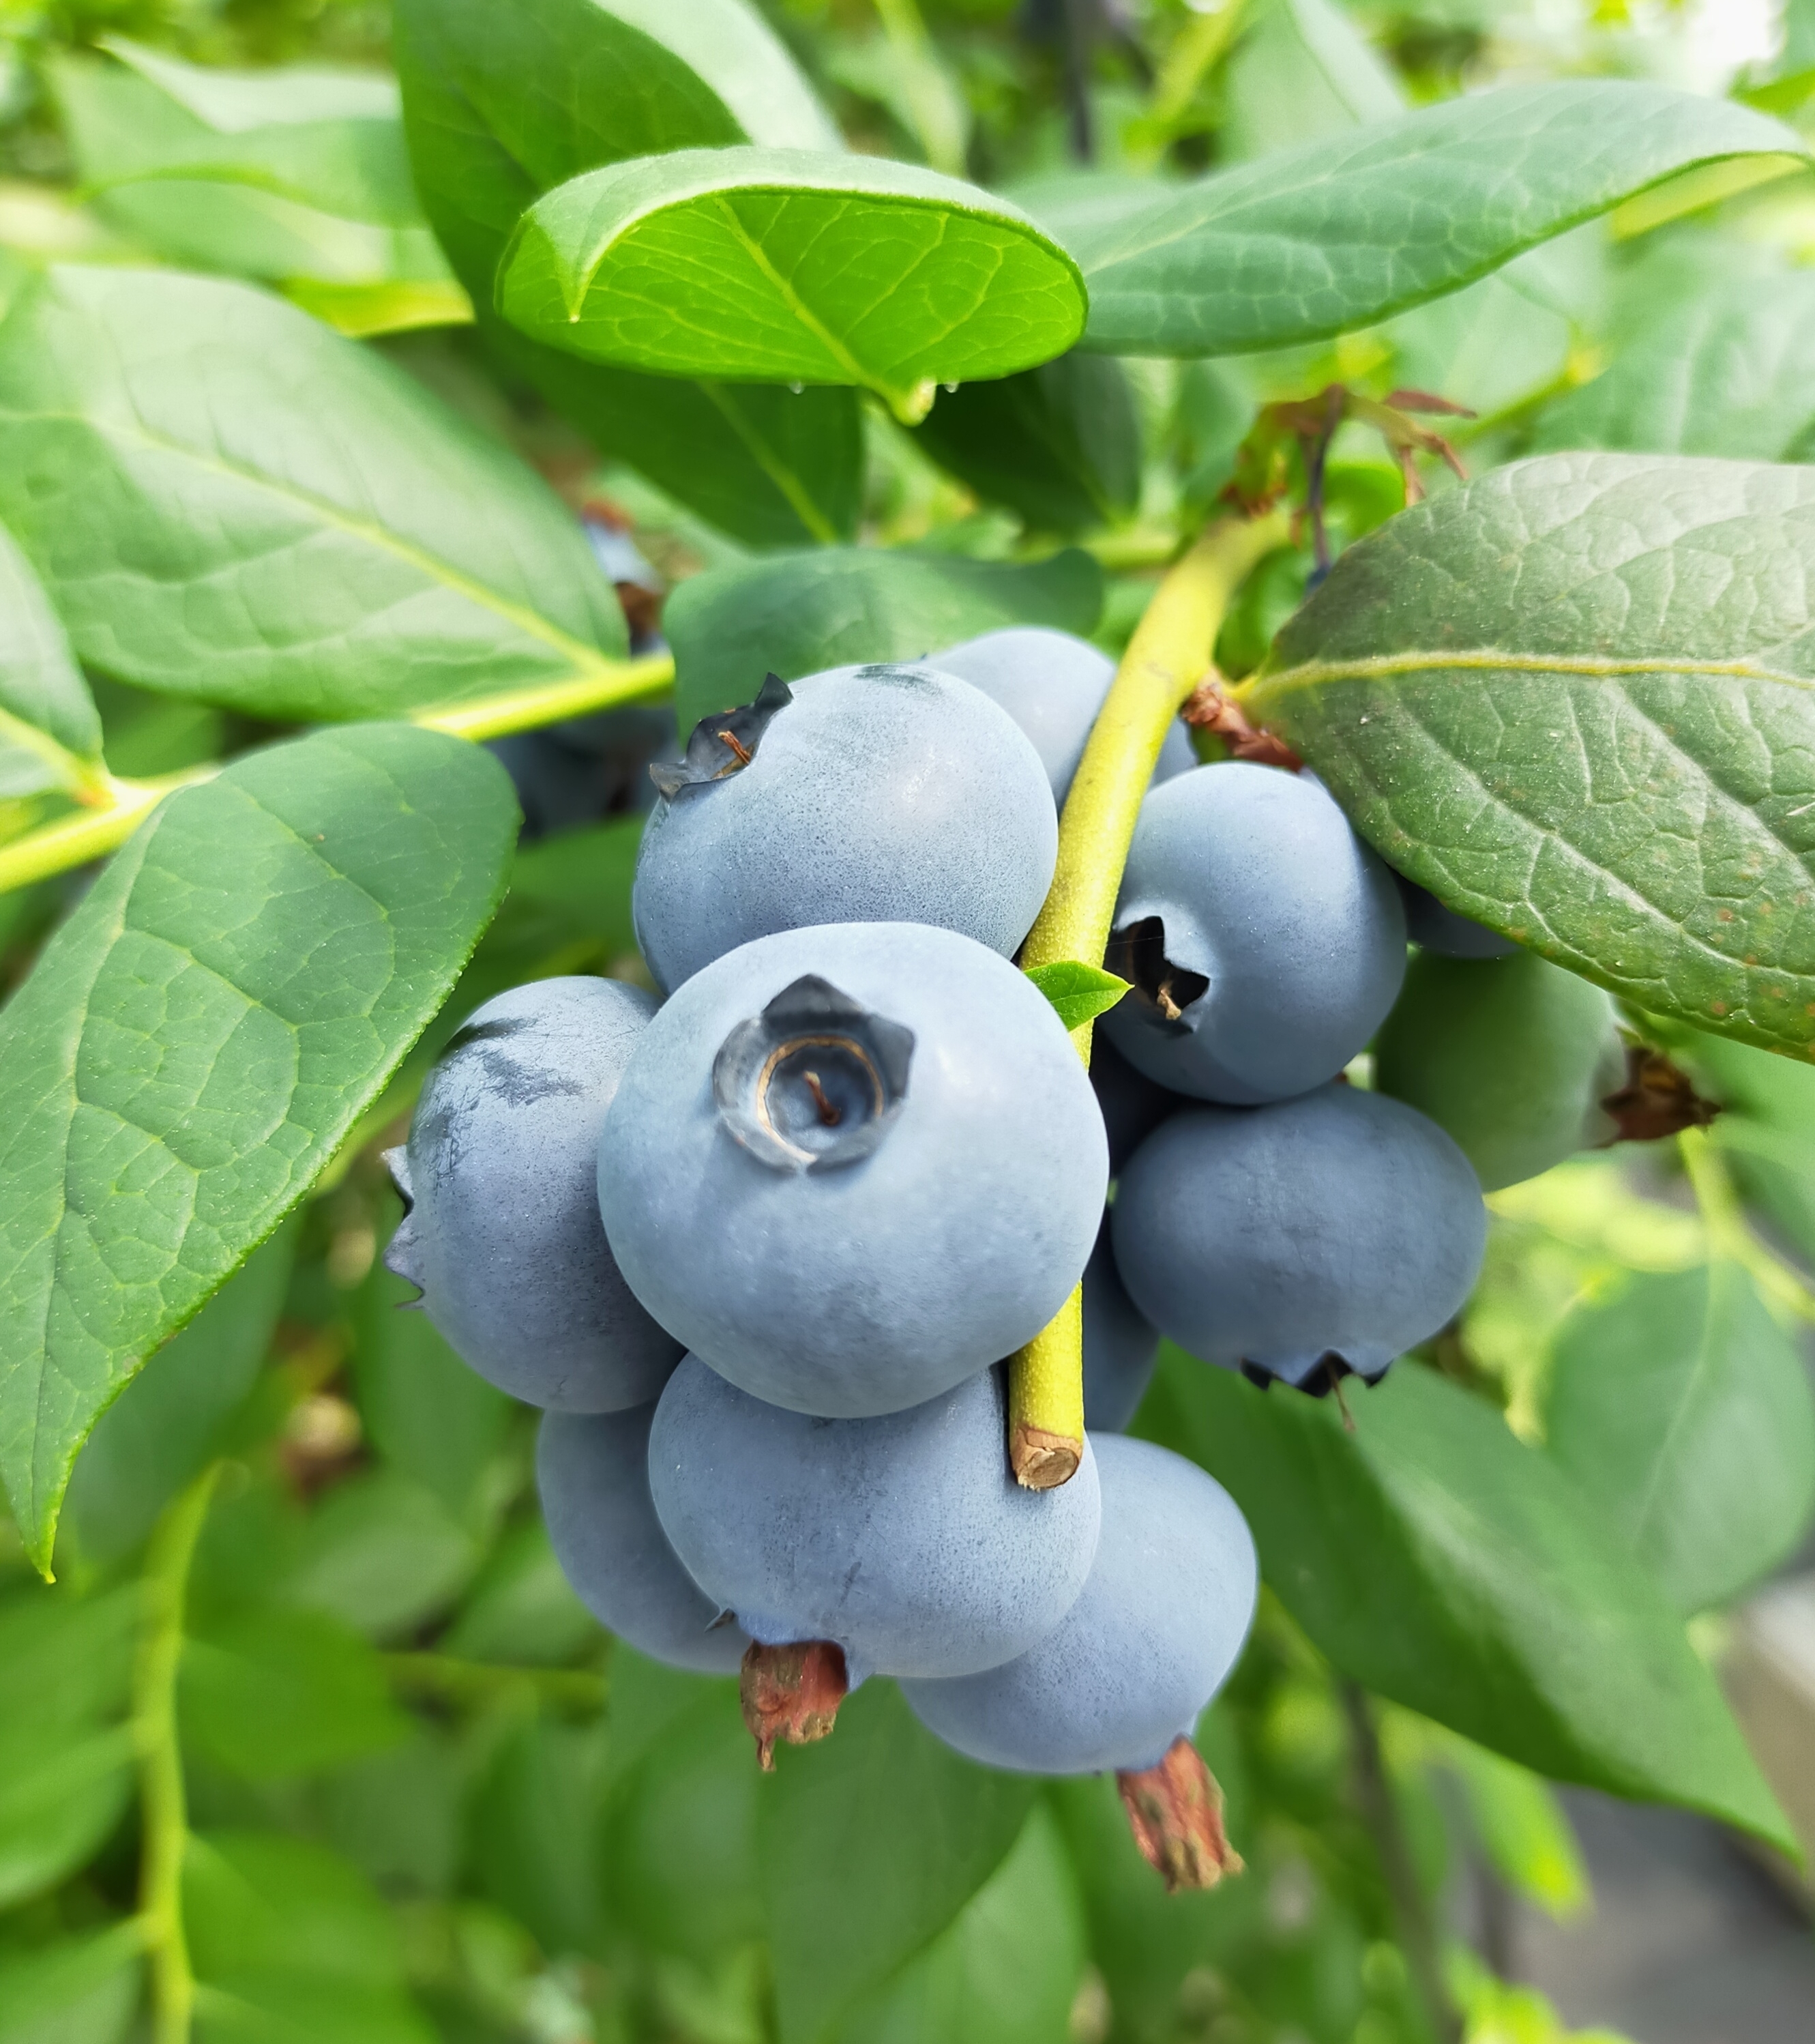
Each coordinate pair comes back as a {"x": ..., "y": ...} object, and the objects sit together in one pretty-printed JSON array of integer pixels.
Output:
[
  {"x": 1133, "y": 1104},
  {"x": 1429, "y": 924},
  {"x": 1120, "y": 1345},
  {"x": 1265, "y": 942},
  {"x": 502, "y": 1234},
  {"x": 892, "y": 793},
  {"x": 904, "y": 1539},
  {"x": 1512, "y": 1056},
  {"x": 592, "y": 1471},
  {"x": 1053, "y": 684},
  {"x": 851, "y": 1167},
  {"x": 1147, "y": 1644},
  {"x": 1326, "y": 1233}
]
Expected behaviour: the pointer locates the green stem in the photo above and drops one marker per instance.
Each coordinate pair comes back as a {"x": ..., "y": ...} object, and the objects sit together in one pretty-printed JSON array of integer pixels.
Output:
[
  {"x": 1168, "y": 656},
  {"x": 450, "y": 1679},
  {"x": 1729, "y": 1233},
  {"x": 73, "y": 841},
  {"x": 163, "y": 1802}
]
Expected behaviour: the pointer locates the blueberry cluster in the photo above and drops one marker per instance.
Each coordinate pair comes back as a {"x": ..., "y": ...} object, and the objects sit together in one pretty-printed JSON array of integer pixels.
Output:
[{"x": 761, "y": 1248}]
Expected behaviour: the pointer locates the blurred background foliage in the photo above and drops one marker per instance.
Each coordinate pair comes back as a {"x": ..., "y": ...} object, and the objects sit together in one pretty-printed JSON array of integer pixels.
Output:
[{"x": 426, "y": 1797}]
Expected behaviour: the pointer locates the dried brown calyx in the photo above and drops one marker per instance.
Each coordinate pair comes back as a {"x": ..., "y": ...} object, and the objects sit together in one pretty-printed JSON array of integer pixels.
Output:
[
  {"x": 790, "y": 1693},
  {"x": 1137, "y": 953},
  {"x": 1175, "y": 1811},
  {"x": 1656, "y": 1100},
  {"x": 1209, "y": 707}
]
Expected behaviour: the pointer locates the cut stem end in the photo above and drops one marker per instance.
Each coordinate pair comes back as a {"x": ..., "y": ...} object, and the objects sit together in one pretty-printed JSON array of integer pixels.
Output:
[
  {"x": 1041, "y": 1460},
  {"x": 1175, "y": 1811},
  {"x": 791, "y": 1693}
]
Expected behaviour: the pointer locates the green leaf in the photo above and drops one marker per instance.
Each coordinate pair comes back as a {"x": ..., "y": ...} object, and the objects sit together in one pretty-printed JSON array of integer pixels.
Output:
[
  {"x": 533, "y": 1830},
  {"x": 157, "y": 1435},
  {"x": 332, "y": 141},
  {"x": 396, "y": 1815},
  {"x": 785, "y": 265},
  {"x": 48, "y": 723},
  {"x": 1006, "y": 1972},
  {"x": 227, "y": 500},
  {"x": 806, "y": 612},
  {"x": 871, "y": 1844},
  {"x": 290, "y": 1945},
  {"x": 382, "y": 1554},
  {"x": 1683, "y": 1410},
  {"x": 198, "y": 1037},
  {"x": 1060, "y": 444},
  {"x": 1766, "y": 1130},
  {"x": 1302, "y": 70},
  {"x": 427, "y": 1413},
  {"x": 1573, "y": 698},
  {"x": 1522, "y": 1828},
  {"x": 1080, "y": 993},
  {"x": 1342, "y": 232},
  {"x": 521, "y": 1609},
  {"x": 1721, "y": 362},
  {"x": 78, "y": 1991},
  {"x": 500, "y": 105},
  {"x": 278, "y": 1693},
  {"x": 1437, "y": 1560}
]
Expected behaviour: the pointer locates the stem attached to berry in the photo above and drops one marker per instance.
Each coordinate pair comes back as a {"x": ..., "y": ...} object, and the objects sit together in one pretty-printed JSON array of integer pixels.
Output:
[{"x": 1167, "y": 657}]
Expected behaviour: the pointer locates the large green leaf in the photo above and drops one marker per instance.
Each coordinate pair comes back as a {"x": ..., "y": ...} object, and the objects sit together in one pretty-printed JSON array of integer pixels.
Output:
[
  {"x": 198, "y": 1037},
  {"x": 1343, "y": 231},
  {"x": 1436, "y": 1559},
  {"x": 227, "y": 500},
  {"x": 842, "y": 605},
  {"x": 163, "y": 1426},
  {"x": 1061, "y": 444},
  {"x": 43, "y": 695},
  {"x": 870, "y": 1845},
  {"x": 502, "y": 104},
  {"x": 1302, "y": 69},
  {"x": 1007, "y": 1970},
  {"x": 791, "y": 266},
  {"x": 1573, "y": 699},
  {"x": 1683, "y": 1410},
  {"x": 78, "y": 1991},
  {"x": 1721, "y": 361},
  {"x": 1767, "y": 1128}
]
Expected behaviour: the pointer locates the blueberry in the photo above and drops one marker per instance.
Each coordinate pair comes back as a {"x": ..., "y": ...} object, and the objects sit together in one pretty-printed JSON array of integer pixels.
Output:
[
  {"x": 575, "y": 773},
  {"x": 1133, "y": 1104},
  {"x": 1265, "y": 942},
  {"x": 851, "y": 1167},
  {"x": 1327, "y": 1233},
  {"x": 1150, "y": 1641},
  {"x": 863, "y": 794},
  {"x": 904, "y": 1539},
  {"x": 1436, "y": 928},
  {"x": 1512, "y": 1056},
  {"x": 592, "y": 1471},
  {"x": 502, "y": 1235},
  {"x": 1120, "y": 1344},
  {"x": 1053, "y": 684}
]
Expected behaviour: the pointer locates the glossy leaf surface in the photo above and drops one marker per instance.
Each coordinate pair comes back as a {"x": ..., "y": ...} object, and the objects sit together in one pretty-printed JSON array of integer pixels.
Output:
[
  {"x": 501, "y": 105},
  {"x": 1576, "y": 699},
  {"x": 198, "y": 1037},
  {"x": 1683, "y": 1411},
  {"x": 791, "y": 266},
  {"x": 228, "y": 501},
  {"x": 1340, "y": 234},
  {"x": 1442, "y": 1563},
  {"x": 805, "y": 613}
]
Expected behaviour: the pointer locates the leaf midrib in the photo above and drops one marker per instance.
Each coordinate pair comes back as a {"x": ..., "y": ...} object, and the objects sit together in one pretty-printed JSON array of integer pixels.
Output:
[
  {"x": 587, "y": 660},
  {"x": 1311, "y": 673}
]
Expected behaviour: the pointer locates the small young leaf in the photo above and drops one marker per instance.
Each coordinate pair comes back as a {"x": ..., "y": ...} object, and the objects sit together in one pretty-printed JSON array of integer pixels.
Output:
[
  {"x": 1080, "y": 993},
  {"x": 803, "y": 613},
  {"x": 782, "y": 265},
  {"x": 1682, "y": 1410},
  {"x": 1060, "y": 444},
  {"x": 871, "y": 1844},
  {"x": 198, "y": 1036},
  {"x": 487, "y": 137},
  {"x": 1341, "y": 234},
  {"x": 1575, "y": 698},
  {"x": 227, "y": 500},
  {"x": 48, "y": 719},
  {"x": 382, "y": 1554},
  {"x": 1766, "y": 1130},
  {"x": 1439, "y": 1561}
]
